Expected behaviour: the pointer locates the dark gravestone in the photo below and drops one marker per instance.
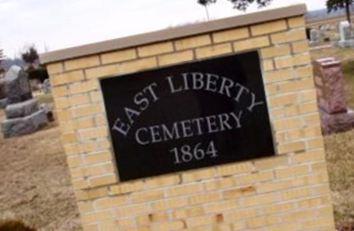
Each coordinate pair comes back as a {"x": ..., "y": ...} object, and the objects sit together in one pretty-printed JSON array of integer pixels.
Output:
[
  {"x": 3, "y": 99},
  {"x": 23, "y": 114},
  {"x": 17, "y": 86}
]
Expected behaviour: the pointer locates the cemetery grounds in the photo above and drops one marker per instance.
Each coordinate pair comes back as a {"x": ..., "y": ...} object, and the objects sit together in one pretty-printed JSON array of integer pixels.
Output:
[{"x": 35, "y": 183}]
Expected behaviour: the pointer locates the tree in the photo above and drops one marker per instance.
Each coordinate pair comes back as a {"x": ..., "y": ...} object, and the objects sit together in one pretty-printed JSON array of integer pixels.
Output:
[
  {"x": 205, "y": 3},
  {"x": 30, "y": 56},
  {"x": 333, "y": 5},
  {"x": 239, "y": 4}
]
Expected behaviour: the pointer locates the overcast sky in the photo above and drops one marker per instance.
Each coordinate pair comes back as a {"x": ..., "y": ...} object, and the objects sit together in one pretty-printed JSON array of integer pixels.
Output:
[{"x": 52, "y": 25}]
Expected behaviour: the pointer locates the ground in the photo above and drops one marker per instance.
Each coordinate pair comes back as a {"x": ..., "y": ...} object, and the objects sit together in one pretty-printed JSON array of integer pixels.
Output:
[{"x": 35, "y": 185}]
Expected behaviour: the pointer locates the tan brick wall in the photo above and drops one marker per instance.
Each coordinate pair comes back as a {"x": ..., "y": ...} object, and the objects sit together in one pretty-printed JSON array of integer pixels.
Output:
[{"x": 286, "y": 192}]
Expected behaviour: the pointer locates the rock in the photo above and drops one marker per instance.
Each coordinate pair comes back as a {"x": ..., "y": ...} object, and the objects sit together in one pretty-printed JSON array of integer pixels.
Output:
[
  {"x": 25, "y": 125},
  {"x": 3, "y": 103},
  {"x": 2, "y": 89},
  {"x": 22, "y": 109},
  {"x": 46, "y": 87},
  {"x": 17, "y": 86}
]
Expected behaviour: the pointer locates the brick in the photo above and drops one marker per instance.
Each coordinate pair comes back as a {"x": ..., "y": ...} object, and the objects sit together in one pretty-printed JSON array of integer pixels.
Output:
[
  {"x": 275, "y": 51},
  {"x": 263, "y": 221},
  {"x": 137, "y": 65},
  {"x": 302, "y": 59},
  {"x": 60, "y": 91},
  {"x": 279, "y": 75},
  {"x": 93, "y": 133},
  {"x": 147, "y": 196},
  {"x": 284, "y": 62},
  {"x": 268, "y": 65},
  {"x": 204, "y": 198},
  {"x": 74, "y": 161},
  {"x": 279, "y": 208},
  {"x": 184, "y": 190},
  {"x": 289, "y": 36},
  {"x": 234, "y": 216},
  {"x": 62, "y": 103},
  {"x": 239, "y": 192},
  {"x": 271, "y": 163},
  {"x": 291, "y": 147},
  {"x": 167, "y": 226},
  {"x": 300, "y": 47},
  {"x": 80, "y": 184},
  {"x": 102, "y": 71},
  {"x": 174, "y": 58},
  {"x": 103, "y": 180},
  {"x": 178, "y": 202},
  {"x": 315, "y": 143},
  {"x": 267, "y": 28},
  {"x": 96, "y": 217},
  {"x": 131, "y": 210},
  {"x": 155, "y": 49},
  {"x": 198, "y": 175},
  {"x": 310, "y": 156},
  {"x": 283, "y": 100},
  {"x": 83, "y": 123},
  {"x": 101, "y": 169},
  {"x": 55, "y": 68},
  {"x": 292, "y": 171},
  {"x": 81, "y": 63},
  {"x": 85, "y": 206},
  {"x": 252, "y": 43},
  {"x": 87, "y": 110},
  {"x": 232, "y": 169},
  {"x": 215, "y": 50},
  {"x": 69, "y": 138},
  {"x": 83, "y": 87},
  {"x": 76, "y": 100},
  {"x": 253, "y": 178},
  {"x": 304, "y": 71},
  {"x": 67, "y": 77},
  {"x": 118, "y": 56},
  {"x": 287, "y": 124},
  {"x": 111, "y": 202},
  {"x": 295, "y": 194},
  {"x": 189, "y": 212},
  {"x": 162, "y": 181},
  {"x": 230, "y": 35},
  {"x": 256, "y": 200},
  {"x": 200, "y": 221},
  {"x": 192, "y": 42},
  {"x": 219, "y": 184},
  {"x": 296, "y": 22},
  {"x": 126, "y": 187},
  {"x": 97, "y": 158},
  {"x": 274, "y": 186}
]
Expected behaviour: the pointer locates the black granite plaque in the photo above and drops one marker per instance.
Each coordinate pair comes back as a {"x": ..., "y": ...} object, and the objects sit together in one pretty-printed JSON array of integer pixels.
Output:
[{"x": 188, "y": 116}]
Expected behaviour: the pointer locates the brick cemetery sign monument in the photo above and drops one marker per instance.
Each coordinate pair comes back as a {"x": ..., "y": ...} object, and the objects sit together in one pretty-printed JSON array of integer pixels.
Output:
[{"x": 212, "y": 126}]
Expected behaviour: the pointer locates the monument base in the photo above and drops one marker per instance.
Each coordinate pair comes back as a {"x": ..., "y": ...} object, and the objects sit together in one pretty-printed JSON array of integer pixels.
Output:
[
  {"x": 346, "y": 43},
  {"x": 3, "y": 103},
  {"x": 335, "y": 123},
  {"x": 22, "y": 109},
  {"x": 25, "y": 125}
]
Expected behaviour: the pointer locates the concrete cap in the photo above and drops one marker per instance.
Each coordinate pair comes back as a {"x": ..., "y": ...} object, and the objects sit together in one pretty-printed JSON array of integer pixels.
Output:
[{"x": 174, "y": 33}]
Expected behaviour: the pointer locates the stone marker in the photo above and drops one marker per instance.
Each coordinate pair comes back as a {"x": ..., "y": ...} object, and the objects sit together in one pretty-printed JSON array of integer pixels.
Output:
[
  {"x": 17, "y": 86},
  {"x": 335, "y": 115},
  {"x": 23, "y": 114},
  {"x": 346, "y": 39},
  {"x": 315, "y": 37},
  {"x": 3, "y": 99}
]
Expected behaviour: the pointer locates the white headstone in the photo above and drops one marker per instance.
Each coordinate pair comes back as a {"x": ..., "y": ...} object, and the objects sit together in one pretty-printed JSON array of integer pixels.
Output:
[{"x": 344, "y": 31}]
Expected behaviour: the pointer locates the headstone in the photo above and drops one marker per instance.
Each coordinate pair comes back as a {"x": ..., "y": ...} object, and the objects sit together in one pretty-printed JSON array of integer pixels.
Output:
[
  {"x": 315, "y": 37},
  {"x": 23, "y": 114},
  {"x": 346, "y": 39},
  {"x": 329, "y": 81},
  {"x": 3, "y": 99},
  {"x": 17, "y": 86}
]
